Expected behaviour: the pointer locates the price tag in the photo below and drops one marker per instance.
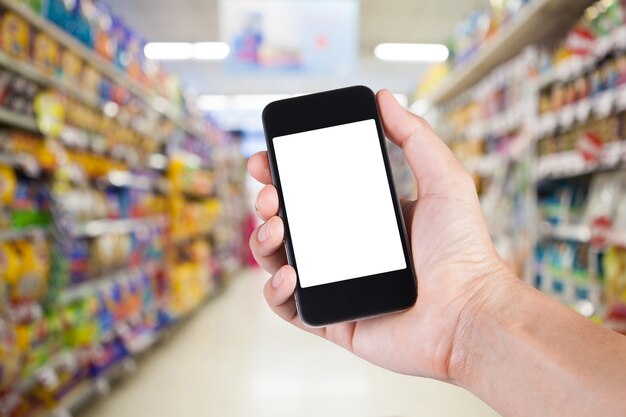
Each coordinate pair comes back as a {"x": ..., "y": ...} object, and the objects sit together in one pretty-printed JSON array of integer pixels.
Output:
[
  {"x": 548, "y": 123},
  {"x": 590, "y": 147},
  {"x": 589, "y": 63},
  {"x": 603, "y": 104},
  {"x": 102, "y": 386},
  {"x": 29, "y": 164},
  {"x": 48, "y": 378},
  {"x": 603, "y": 46},
  {"x": 619, "y": 37},
  {"x": 577, "y": 66},
  {"x": 567, "y": 116},
  {"x": 583, "y": 108},
  {"x": 561, "y": 72},
  {"x": 600, "y": 230}
]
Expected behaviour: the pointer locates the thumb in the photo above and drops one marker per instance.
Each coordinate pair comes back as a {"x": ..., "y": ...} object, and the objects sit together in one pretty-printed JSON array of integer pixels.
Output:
[{"x": 431, "y": 161}]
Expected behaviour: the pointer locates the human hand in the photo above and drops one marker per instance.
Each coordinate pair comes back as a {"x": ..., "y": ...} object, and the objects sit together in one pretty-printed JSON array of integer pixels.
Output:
[{"x": 455, "y": 262}]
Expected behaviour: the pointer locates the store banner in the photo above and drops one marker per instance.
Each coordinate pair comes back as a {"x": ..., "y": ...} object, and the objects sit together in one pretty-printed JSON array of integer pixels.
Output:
[{"x": 312, "y": 36}]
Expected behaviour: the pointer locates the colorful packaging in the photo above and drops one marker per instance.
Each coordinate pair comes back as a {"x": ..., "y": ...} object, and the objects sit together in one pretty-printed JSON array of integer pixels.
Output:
[
  {"x": 15, "y": 36},
  {"x": 46, "y": 54},
  {"x": 71, "y": 67}
]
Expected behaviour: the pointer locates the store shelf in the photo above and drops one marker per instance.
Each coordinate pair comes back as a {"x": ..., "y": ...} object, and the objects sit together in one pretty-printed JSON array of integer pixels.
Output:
[
  {"x": 18, "y": 234},
  {"x": 571, "y": 163},
  {"x": 130, "y": 180},
  {"x": 87, "y": 390},
  {"x": 21, "y": 121},
  {"x": 84, "y": 289},
  {"x": 34, "y": 74},
  {"x": 581, "y": 233},
  {"x": 573, "y": 233},
  {"x": 577, "y": 65},
  {"x": 486, "y": 165},
  {"x": 601, "y": 105},
  {"x": 192, "y": 236},
  {"x": 156, "y": 102},
  {"x": 527, "y": 28},
  {"x": 98, "y": 227}
]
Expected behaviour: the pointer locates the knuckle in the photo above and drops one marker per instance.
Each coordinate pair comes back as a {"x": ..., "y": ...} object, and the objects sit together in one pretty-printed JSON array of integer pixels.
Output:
[{"x": 421, "y": 123}]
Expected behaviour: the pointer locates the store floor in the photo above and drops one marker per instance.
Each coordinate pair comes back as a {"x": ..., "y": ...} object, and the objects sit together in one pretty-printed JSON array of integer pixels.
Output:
[{"x": 236, "y": 359}]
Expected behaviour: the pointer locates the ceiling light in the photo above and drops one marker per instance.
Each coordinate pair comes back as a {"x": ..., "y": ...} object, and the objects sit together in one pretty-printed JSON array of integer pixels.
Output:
[
  {"x": 166, "y": 51},
  {"x": 238, "y": 102},
  {"x": 255, "y": 101},
  {"x": 417, "y": 52},
  {"x": 210, "y": 50},
  {"x": 169, "y": 50},
  {"x": 213, "y": 102}
]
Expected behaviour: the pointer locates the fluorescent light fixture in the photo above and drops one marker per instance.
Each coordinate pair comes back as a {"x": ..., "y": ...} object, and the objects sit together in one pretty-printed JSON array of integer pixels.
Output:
[
  {"x": 255, "y": 101},
  {"x": 213, "y": 102},
  {"x": 416, "y": 52},
  {"x": 168, "y": 50},
  {"x": 172, "y": 51},
  {"x": 238, "y": 102},
  {"x": 213, "y": 51}
]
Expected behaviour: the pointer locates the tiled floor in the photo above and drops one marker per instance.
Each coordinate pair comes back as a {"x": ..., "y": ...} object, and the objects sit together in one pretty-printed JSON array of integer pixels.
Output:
[{"x": 236, "y": 359}]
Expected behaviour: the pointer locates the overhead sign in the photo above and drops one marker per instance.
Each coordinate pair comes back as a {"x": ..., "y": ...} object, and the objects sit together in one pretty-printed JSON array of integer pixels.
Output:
[{"x": 291, "y": 35}]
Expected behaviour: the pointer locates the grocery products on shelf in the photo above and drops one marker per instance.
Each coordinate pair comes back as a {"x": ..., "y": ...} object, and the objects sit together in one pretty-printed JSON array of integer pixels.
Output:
[
  {"x": 110, "y": 197},
  {"x": 480, "y": 26},
  {"x": 544, "y": 136}
]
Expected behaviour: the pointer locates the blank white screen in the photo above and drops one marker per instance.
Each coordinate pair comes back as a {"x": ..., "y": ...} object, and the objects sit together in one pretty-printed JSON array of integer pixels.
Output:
[{"x": 338, "y": 203}]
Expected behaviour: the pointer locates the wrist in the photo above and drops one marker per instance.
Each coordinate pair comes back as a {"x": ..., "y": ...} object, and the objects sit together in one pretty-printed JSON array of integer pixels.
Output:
[{"x": 493, "y": 293}]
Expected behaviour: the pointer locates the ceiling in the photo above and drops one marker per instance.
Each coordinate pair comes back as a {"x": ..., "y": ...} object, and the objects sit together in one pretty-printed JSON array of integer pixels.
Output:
[{"x": 380, "y": 21}]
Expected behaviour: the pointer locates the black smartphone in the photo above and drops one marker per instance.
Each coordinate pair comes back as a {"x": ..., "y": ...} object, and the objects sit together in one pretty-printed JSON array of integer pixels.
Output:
[{"x": 344, "y": 230}]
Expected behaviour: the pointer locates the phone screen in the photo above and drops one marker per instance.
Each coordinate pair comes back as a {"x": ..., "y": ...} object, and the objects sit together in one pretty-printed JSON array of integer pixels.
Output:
[{"x": 338, "y": 203}]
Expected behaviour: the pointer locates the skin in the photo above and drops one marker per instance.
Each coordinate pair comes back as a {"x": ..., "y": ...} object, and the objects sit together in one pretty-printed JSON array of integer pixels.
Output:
[{"x": 474, "y": 324}]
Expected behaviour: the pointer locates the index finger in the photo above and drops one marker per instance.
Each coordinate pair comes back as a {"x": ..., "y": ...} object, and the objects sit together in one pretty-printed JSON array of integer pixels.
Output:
[{"x": 259, "y": 167}]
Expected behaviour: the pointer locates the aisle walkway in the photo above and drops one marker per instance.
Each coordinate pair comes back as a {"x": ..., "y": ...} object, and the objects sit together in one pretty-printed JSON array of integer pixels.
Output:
[{"x": 235, "y": 359}]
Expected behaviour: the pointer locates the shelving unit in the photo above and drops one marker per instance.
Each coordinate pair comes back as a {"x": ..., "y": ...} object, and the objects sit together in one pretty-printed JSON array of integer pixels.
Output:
[
  {"x": 88, "y": 181},
  {"x": 9, "y": 235},
  {"x": 160, "y": 104},
  {"x": 98, "y": 227},
  {"x": 527, "y": 28},
  {"x": 11, "y": 118},
  {"x": 543, "y": 134}
]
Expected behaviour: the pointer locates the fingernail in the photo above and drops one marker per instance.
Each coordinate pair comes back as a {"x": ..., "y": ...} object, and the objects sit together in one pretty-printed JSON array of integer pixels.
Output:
[
  {"x": 264, "y": 232},
  {"x": 278, "y": 279}
]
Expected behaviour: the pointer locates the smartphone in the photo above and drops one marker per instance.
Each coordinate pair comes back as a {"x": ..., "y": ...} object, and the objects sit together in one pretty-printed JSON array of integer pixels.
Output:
[{"x": 344, "y": 230}]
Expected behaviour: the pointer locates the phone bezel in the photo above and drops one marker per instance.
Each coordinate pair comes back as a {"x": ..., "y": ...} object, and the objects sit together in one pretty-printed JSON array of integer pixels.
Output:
[{"x": 355, "y": 298}]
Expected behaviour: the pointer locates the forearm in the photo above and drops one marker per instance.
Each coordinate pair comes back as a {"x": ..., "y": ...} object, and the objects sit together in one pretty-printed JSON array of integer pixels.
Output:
[{"x": 527, "y": 355}]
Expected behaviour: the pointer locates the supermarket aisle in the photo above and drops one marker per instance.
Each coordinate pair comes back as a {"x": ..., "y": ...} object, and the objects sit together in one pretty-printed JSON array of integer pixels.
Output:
[{"x": 236, "y": 359}]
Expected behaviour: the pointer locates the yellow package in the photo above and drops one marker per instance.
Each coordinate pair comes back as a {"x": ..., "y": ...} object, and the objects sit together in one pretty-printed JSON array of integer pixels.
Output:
[
  {"x": 10, "y": 264},
  {"x": 32, "y": 280},
  {"x": 71, "y": 66},
  {"x": 615, "y": 276},
  {"x": 45, "y": 54},
  {"x": 8, "y": 182},
  {"x": 15, "y": 35}
]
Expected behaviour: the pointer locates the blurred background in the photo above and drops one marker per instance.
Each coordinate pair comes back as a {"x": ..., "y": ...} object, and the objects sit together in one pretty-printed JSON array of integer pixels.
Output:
[{"x": 126, "y": 284}]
